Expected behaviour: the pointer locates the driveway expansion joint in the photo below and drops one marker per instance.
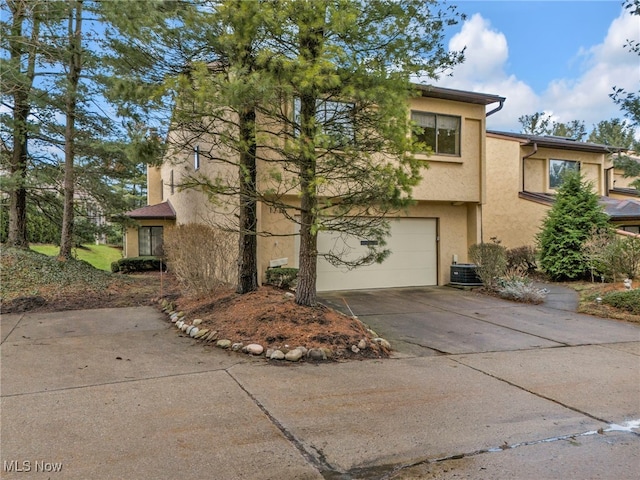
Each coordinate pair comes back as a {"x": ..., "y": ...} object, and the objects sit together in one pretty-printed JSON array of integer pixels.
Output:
[
  {"x": 13, "y": 328},
  {"x": 318, "y": 461},
  {"x": 539, "y": 395},
  {"x": 115, "y": 382}
]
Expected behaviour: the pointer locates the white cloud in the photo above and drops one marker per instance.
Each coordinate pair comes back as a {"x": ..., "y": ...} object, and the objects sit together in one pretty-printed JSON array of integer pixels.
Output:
[
  {"x": 606, "y": 65},
  {"x": 603, "y": 66}
]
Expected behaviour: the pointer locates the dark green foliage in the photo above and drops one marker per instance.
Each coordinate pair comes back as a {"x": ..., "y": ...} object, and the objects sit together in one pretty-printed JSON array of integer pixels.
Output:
[
  {"x": 138, "y": 264},
  {"x": 570, "y": 222},
  {"x": 629, "y": 300},
  {"x": 282, "y": 277}
]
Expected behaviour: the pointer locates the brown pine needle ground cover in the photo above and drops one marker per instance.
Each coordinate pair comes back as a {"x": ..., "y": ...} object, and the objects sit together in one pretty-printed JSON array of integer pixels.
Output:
[{"x": 271, "y": 318}]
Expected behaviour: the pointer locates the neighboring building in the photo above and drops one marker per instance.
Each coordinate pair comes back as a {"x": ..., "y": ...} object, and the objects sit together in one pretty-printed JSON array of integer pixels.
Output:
[
  {"x": 523, "y": 173},
  {"x": 617, "y": 185},
  {"x": 445, "y": 221}
]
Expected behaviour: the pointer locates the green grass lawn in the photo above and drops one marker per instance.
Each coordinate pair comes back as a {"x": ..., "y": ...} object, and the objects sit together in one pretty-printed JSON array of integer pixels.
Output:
[{"x": 100, "y": 256}]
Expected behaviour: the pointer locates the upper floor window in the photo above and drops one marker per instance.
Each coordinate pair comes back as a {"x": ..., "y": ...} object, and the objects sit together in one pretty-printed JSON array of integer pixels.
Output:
[
  {"x": 440, "y": 132},
  {"x": 196, "y": 157},
  {"x": 335, "y": 120},
  {"x": 557, "y": 169}
]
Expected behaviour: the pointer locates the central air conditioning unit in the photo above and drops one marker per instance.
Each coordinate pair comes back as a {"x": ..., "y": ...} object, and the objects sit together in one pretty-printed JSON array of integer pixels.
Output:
[{"x": 465, "y": 274}]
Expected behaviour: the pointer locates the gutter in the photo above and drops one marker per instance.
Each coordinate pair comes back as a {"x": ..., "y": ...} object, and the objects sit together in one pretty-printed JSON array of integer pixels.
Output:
[
  {"x": 497, "y": 109},
  {"x": 535, "y": 150}
]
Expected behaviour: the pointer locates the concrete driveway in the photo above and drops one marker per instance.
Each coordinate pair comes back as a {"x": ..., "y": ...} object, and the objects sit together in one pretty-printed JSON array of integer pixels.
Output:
[
  {"x": 444, "y": 320},
  {"x": 480, "y": 388}
]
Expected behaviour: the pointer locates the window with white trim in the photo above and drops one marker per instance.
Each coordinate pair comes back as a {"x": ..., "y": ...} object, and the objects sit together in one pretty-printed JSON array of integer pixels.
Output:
[{"x": 440, "y": 132}]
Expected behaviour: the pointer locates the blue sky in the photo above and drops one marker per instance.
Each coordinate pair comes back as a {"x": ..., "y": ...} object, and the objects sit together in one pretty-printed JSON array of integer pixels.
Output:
[{"x": 558, "y": 57}]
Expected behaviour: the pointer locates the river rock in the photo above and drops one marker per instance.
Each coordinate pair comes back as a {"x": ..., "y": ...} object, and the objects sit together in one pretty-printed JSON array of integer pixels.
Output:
[
  {"x": 224, "y": 343},
  {"x": 254, "y": 349},
  {"x": 316, "y": 354},
  {"x": 202, "y": 333},
  {"x": 294, "y": 355},
  {"x": 382, "y": 342},
  {"x": 236, "y": 347},
  {"x": 362, "y": 344},
  {"x": 277, "y": 355}
]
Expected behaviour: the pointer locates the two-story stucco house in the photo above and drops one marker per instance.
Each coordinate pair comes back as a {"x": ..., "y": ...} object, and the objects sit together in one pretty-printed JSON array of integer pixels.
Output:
[
  {"x": 523, "y": 173},
  {"x": 444, "y": 221},
  {"x": 479, "y": 185}
]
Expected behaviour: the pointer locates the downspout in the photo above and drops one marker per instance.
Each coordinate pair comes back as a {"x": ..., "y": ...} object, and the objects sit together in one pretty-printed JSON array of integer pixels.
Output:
[
  {"x": 535, "y": 150},
  {"x": 497, "y": 109},
  {"x": 607, "y": 180}
]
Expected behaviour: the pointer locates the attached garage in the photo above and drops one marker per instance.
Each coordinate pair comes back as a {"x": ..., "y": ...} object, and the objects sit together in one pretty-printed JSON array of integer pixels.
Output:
[{"x": 413, "y": 260}]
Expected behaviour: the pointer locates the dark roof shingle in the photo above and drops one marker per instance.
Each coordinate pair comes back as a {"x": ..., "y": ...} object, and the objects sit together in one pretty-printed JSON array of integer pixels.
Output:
[{"x": 160, "y": 210}]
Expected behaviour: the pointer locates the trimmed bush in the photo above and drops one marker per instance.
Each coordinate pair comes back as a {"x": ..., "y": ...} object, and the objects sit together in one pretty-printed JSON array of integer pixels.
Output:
[
  {"x": 282, "y": 277},
  {"x": 628, "y": 301},
  {"x": 138, "y": 264},
  {"x": 490, "y": 260}
]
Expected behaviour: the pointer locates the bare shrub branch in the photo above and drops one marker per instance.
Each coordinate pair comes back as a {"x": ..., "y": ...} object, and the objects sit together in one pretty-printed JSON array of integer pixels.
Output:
[{"x": 202, "y": 258}]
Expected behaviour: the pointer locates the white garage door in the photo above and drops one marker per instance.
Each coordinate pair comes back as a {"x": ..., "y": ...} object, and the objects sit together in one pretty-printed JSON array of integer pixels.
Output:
[{"x": 413, "y": 259}]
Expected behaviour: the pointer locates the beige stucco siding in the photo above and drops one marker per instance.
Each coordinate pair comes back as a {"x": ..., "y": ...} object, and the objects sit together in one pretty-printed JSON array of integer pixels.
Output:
[
  {"x": 515, "y": 220},
  {"x": 131, "y": 246},
  {"x": 192, "y": 204},
  {"x": 453, "y": 221},
  {"x": 154, "y": 185},
  {"x": 454, "y": 178}
]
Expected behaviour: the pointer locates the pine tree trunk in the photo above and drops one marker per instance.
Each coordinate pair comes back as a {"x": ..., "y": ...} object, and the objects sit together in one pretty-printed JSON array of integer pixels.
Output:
[
  {"x": 17, "y": 231},
  {"x": 73, "y": 76},
  {"x": 308, "y": 258},
  {"x": 17, "y": 234},
  {"x": 247, "y": 254},
  {"x": 311, "y": 39}
]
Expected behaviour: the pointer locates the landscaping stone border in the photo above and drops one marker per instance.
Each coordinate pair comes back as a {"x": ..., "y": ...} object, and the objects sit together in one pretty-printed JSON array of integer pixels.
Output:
[{"x": 296, "y": 354}]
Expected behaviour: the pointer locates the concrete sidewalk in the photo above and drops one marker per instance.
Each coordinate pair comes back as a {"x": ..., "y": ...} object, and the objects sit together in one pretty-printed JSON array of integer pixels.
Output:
[{"x": 116, "y": 393}]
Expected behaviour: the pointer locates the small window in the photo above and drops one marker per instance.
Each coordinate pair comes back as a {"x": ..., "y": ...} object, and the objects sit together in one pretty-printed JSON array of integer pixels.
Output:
[
  {"x": 557, "y": 169},
  {"x": 171, "y": 185},
  {"x": 196, "y": 157},
  {"x": 150, "y": 241},
  {"x": 335, "y": 120},
  {"x": 631, "y": 229},
  {"x": 440, "y": 132}
]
